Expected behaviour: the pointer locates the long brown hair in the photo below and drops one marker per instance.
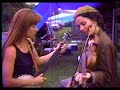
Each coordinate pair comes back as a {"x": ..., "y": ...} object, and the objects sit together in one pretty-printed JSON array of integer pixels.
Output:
[{"x": 19, "y": 25}]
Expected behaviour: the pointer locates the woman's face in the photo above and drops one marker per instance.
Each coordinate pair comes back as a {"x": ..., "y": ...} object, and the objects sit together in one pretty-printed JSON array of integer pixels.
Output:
[
  {"x": 31, "y": 32},
  {"x": 85, "y": 25}
]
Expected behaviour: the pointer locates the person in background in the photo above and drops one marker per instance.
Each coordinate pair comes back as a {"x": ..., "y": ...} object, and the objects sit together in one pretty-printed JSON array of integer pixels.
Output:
[
  {"x": 42, "y": 37},
  {"x": 19, "y": 54},
  {"x": 103, "y": 72}
]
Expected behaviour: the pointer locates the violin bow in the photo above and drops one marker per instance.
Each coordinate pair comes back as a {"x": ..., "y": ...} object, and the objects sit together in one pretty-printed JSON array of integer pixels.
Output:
[{"x": 83, "y": 67}]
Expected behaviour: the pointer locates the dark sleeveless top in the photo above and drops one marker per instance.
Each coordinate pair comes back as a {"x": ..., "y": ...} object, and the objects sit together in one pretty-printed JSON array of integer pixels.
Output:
[{"x": 23, "y": 63}]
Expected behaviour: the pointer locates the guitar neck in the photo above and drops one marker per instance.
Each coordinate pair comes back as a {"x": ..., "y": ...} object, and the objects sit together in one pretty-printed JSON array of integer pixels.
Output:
[{"x": 48, "y": 63}]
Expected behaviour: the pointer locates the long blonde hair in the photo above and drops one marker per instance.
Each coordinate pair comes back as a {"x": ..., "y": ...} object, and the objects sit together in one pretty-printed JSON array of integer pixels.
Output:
[{"x": 19, "y": 25}]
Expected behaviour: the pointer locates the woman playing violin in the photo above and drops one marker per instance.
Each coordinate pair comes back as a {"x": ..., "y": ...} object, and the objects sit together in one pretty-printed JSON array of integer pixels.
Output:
[{"x": 101, "y": 68}]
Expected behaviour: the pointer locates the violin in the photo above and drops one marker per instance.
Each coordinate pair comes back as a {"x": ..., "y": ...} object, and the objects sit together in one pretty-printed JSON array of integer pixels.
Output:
[
  {"x": 91, "y": 51},
  {"x": 87, "y": 59}
]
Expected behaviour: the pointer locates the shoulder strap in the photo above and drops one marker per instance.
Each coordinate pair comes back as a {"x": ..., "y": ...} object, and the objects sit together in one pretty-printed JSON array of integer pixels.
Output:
[
  {"x": 33, "y": 58},
  {"x": 30, "y": 45}
]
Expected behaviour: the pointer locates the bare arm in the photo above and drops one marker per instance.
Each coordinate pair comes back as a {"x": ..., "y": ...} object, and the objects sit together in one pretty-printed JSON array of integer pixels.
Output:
[
  {"x": 41, "y": 60},
  {"x": 8, "y": 68}
]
